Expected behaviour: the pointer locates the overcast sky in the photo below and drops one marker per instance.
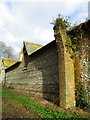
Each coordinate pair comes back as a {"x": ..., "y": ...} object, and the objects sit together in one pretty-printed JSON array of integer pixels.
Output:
[{"x": 30, "y": 21}]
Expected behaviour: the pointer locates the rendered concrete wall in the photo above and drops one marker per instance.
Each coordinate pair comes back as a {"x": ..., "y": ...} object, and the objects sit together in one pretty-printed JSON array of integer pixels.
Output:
[{"x": 39, "y": 76}]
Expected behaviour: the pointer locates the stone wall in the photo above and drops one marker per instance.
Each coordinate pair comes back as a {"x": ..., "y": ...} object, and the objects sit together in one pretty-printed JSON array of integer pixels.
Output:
[
  {"x": 39, "y": 76},
  {"x": 53, "y": 72},
  {"x": 85, "y": 66},
  {"x": 82, "y": 61}
]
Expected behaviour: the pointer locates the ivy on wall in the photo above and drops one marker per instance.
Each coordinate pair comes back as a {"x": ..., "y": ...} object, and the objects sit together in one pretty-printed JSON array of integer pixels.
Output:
[
  {"x": 74, "y": 35},
  {"x": 81, "y": 97}
]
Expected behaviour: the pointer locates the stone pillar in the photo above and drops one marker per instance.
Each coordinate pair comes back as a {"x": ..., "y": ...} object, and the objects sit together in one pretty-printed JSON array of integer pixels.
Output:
[
  {"x": 3, "y": 79},
  {"x": 66, "y": 70},
  {"x": 2, "y": 73}
]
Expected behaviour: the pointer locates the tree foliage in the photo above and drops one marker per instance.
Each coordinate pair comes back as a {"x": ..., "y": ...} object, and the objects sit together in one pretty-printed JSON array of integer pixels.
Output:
[{"x": 5, "y": 51}]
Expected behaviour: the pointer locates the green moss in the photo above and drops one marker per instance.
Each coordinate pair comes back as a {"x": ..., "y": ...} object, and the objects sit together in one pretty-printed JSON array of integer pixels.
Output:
[{"x": 7, "y": 62}]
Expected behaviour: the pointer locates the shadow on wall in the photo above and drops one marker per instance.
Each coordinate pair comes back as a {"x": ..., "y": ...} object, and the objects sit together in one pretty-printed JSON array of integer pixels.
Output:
[
  {"x": 46, "y": 63},
  {"x": 37, "y": 74}
]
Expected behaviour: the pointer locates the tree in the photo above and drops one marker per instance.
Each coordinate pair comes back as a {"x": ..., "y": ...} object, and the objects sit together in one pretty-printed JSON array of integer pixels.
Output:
[{"x": 5, "y": 51}]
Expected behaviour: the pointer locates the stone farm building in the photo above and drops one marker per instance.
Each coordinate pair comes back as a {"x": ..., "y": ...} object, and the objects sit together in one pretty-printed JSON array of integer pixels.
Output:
[{"x": 54, "y": 71}]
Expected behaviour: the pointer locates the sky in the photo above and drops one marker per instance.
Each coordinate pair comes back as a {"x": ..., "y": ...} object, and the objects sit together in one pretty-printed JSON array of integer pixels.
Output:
[{"x": 29, "y": 20}]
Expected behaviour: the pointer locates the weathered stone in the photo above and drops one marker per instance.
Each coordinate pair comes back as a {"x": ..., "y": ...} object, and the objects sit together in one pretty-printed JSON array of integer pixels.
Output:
[
  {"x": 51, "y": 72},
  {"x": 66, "y": 70}
]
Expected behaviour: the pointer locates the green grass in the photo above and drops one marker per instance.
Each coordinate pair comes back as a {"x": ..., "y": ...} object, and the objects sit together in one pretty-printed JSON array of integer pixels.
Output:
[{"x": 30, "y": 104}]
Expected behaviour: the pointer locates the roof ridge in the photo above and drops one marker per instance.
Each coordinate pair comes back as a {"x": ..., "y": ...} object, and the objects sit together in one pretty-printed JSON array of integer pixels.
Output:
[{"x": 32, "y": 43}]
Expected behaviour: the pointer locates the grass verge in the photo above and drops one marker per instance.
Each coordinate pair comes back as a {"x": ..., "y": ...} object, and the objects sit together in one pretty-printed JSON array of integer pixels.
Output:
[{"x": 43, "y": 112}]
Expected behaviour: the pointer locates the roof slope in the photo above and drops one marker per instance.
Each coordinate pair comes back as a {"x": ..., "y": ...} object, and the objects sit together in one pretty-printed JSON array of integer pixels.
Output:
[
  {"x": 7, "y": 62},
  {"x": 31, "y": 47}
]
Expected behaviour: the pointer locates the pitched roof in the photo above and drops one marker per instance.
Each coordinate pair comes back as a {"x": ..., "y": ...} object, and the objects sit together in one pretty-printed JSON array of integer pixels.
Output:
[
  {"x": 31, "y": 47},
  {"x": 37, "y": 52},
  {"x": 7, "y": 62}
]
